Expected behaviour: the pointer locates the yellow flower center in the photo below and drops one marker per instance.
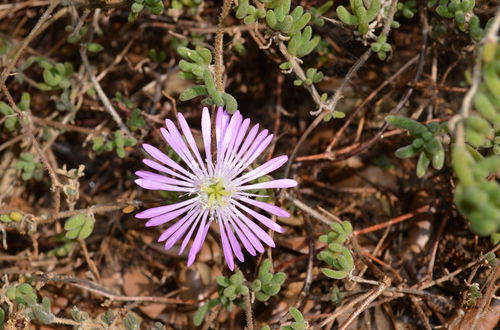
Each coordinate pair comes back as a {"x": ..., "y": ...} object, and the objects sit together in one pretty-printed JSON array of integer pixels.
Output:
[{"x": 215, "y": 193}]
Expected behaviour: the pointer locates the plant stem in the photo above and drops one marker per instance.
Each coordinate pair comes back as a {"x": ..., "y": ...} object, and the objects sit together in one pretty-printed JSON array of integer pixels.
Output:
[{"x": 219, "y": 66}]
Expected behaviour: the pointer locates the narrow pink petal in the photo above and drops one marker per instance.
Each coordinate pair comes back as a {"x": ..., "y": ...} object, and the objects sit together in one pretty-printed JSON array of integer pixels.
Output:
[
  {"x": 261, "y": 234},
  {"x": 161, "y": 178},
  {"x": 263, "y": 219},
  {"x": 234, "y": 242},
  {"x": 229, "y": 135},
  {"x": 190, "y": 139},
  {"x": 226, "y": 247},
  {"x": 253, "y": 152},
  {"x": 156, "y": 211},
  {"x": 156, "y": 153},
  {"x": 154, "y": 165},
  {"x": 206, "y": 131},
  {"x": 280, "y": 183},
  {"x": 231, "y": 154},
  {"x": 191, "y": 231},
  {"x": 262, "y": 170},
  {"x": 172, "y": 229},
  {"x": 247, "y": 142},
  {"x": 175, "y": 141},
  {"x": 161, "y": 219},
  {"x": 243, "y": 238},
  {"x": 153, "y": 185},
  {"x": 273, "y": 209},
  {"x": 198, "y": 241},
  {"x": 221, "y": 122},
  {"x": 175, "y": 236},
  {"x": 248, "y": 233}
]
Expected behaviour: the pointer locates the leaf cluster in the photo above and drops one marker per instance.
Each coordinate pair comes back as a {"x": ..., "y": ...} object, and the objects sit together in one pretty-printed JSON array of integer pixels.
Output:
[
  {"x": 12, "y": 120},
  {"x": 267, "y": 284},
  {"x": 336, "y": 255},
  {"x": 462, "y": 11},
  {"x": 313, "y": 76},
  {"x": 361, "y": 16},
  {"x": 55, "y": 76},
  {"x": 29, "y": 166},
  {"x": 118, "y": 142},
  {"x": 155, "y": 7},
  {"x": 425, "y": 142},
  {"x": 79, "y": 226},
  {"x": 195, "y": 65},
  {"x": 381, "y": 47},
  {"x": 12, "y": 216},
  {"x": 299, "y": 323},
  {"x": 408, "y": 8}
]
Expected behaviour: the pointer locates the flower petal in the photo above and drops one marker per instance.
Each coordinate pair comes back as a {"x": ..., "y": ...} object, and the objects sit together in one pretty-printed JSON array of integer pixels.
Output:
[
  {"x": 258, "y": 146},
  {"x": 236, "y": 143},
  {"x": 280, "y": 183},
  {"x": 175, "y": 141},
  {"x": 175, "y": 236},
  {"x": 263, "y": 219},
  {"x": 234, "y": 242},
  {"x": 190, "y": 140},
  {"x": 157, "y": 154},
  {"x": 160, "y": 210},
  {"x": 161, "y": 178},
  {"x": 154, "y": 165},
  {"x": 154, "y": 185},
  {"x": 164, "y": 218},
  {"x": 193, "y": 227},
  {"x": 172, "y": 229},
  {"x": 198, "y": 240},
  {"x": 248, "y": 234},
  {"x": 226, "y": 247},
  {"x": 206, "y": 131},
  {"x": 243, "y": 238},
  {"x": 273, "y": 209},
  {"x": 261, "y": 234},
  {"x": 262, "y": 170}
]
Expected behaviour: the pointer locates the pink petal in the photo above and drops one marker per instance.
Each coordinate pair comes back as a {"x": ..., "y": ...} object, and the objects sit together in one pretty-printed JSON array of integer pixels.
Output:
[
  {"x": 280, "y": 183},
  {"x": 153, "y": 185},
  {"x": 167, "y": 233},
  {"x": 234, "y": 242},
  {"x": 161, "y": 219},
  {"x": 262, "y": 170},
  {"x": 156, "y": 153},
  {"x": 261, "y": 234},
  {"x": 154, "y": 165},
  {"x": 198, "y": 241},
  {"x": 180, "y": 148},
  {"x": 156, "y": 211},
  {"x": 273, "y": 209},
  {"x": 206, "y": 131},
  {"x": 161, "y": 178},
  {"x": 226, "y": 247},
  {"x": 263, "y": 219},
  {"x": 190, "y": 139}
]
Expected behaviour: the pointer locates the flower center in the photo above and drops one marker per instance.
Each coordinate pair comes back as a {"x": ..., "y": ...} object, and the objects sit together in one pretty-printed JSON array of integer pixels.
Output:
[{"x": 214, "y": 193}]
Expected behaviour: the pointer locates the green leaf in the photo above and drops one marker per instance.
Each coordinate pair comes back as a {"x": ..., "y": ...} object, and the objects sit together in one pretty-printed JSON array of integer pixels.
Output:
[
  {"x": 422, "y": 164},
  {"x": 296, "y": 314},
  {"x": 94, "y": 47},
  {"x": 79, "y": 226},
  {"x": 335, "y": 274},
  {"x": 230, "y": 102}
]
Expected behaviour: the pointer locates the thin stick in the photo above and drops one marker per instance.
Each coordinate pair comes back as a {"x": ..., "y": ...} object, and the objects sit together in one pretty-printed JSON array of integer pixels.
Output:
[
  {"x": 219, "y": 66},
  {"x": 393, "y": 221},
  {"x": 27, "y": 40},
  {"x": 102, "y": 96}
]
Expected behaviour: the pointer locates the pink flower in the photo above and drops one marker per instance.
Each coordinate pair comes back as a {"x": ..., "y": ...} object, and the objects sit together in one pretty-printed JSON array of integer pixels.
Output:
[{"x": 217, "y": 186}]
